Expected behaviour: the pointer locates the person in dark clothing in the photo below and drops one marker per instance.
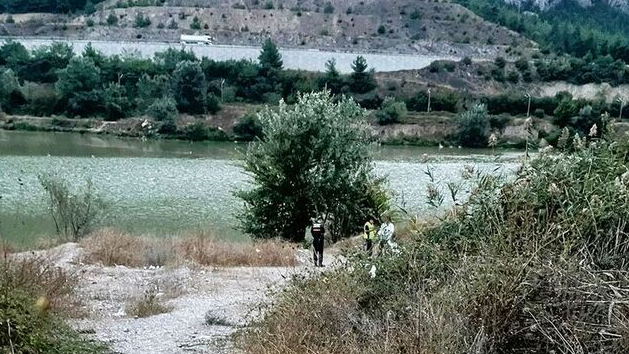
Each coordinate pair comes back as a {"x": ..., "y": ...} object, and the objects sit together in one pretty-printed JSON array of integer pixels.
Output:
[{"x": 318, "y": 234}]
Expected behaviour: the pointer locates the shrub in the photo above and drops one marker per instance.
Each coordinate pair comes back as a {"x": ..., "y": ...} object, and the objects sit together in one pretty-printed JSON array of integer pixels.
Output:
[
  {"x": 89, "y": 8},
  {"x": 435, "y": 67},
  {"x": 415, "y": 15},
  {"x": 526, "y": 265},
  {"x": 500, "y": 62},
  {"x": 89, "y": 22},
  {"x": 141, "y": 21},
  {"x": 513, "y": 77},
  {"x": 112, "y": 19},
  {"x": 539, "y": 113},
  {"x": 212, "y": 104},
  {"x": 391, "y": 112},
  {"x": 467, "y": 61},
  {"x": 163, "y": 110},
  {"x": 328, "y": 8},
  {"x": 147, "y": 305},
  {"x": 269, "y": 5},
  {"x": 111, "y": 248},
  {"x": 173, "y": 24},
  {"x": 382, "y": 29},
  {"x": 522, "y": 65},
  {"x": 9, "y": 20},
  {"x": 204, "y": 249},
  {"x": 34, "y": 293},
  {"x": 195, "y": 24},
  {"x": 74, "y": 214},
  {"x": 212, "y": 319},
  {"x": 248, "y": 128},
  {"x": 450, "y": 66},
  {"x": 474, "y": 127}
]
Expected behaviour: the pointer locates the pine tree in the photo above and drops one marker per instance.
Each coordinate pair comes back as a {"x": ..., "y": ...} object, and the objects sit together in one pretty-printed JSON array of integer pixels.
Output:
[
  {"x": 361, "y": 80},
  {"x": 270, "y": 57}
]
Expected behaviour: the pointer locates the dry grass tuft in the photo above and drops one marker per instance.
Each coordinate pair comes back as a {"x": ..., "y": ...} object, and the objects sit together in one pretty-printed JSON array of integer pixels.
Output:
[
  {"x": 149, "y": 304},
  {"x": 110, "y": 247},
  {"x": 33, "y": 293},
  {"x": 205, "y": 250},
  {"x": 40, "y": 278}
]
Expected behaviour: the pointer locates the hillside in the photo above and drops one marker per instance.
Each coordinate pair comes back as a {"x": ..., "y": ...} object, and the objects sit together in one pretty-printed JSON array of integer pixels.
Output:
[{"x": 402, "y": 26}]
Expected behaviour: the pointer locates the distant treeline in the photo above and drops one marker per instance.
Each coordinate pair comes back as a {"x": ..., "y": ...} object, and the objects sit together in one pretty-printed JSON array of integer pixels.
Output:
[
  {"x": 55, "y": 6},
  {"x": 53, "y": 80},
  {"x": 599, "y": 29}
]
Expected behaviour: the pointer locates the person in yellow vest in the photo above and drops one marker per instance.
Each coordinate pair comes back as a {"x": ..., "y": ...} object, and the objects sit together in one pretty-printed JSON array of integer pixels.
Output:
[{"x": 369, "y": 235}]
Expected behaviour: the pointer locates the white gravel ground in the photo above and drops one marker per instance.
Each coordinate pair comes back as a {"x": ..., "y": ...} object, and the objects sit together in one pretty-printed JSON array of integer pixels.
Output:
[{"x": 232, "y": 294}]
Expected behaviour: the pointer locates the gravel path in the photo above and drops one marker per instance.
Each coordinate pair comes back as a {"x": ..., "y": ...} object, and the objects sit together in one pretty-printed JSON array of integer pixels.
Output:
[{"x": 230, "y": 294}]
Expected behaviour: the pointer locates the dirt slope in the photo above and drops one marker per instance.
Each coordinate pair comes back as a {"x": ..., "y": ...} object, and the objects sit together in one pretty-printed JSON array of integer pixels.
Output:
[{"x": 403, "y": 26}]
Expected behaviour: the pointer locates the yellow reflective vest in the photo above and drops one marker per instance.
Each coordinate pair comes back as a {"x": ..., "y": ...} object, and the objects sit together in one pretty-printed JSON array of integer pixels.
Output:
[{"x": 369, "y": 232}]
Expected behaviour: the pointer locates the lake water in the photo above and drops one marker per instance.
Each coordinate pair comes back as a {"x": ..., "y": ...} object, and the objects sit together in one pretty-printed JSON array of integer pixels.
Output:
[
  {"x": 298, "y": 59},
  {"x": 167, "y": 187}
]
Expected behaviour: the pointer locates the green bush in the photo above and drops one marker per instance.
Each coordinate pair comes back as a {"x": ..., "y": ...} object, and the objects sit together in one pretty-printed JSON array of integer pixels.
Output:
[
  {"x": 382, "y": 29},
  {"x": 112, "y": 19},
  {"x": 141, "y": 21},
  {"x": 163, "y": 110},
  {"x": 173, "y": 24},
  {"x": 328, "y": 8},
  {"x": 513, "y": 77},
  {"x": 195, "y": 132},
  {"x": 195, "y": 24},
  {"x": 248, "y": 128},
  {"x": 500, "y": 62},
  {"x": 212, "y": 104},
  {"x": 391, "y": 112},
  {"x": 474, "y": 127}
]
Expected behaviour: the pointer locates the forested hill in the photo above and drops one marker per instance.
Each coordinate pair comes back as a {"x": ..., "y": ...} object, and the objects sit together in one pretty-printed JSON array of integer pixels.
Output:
[
  {"x": 578, "y": 28},
  {"x": 55, "y": 6}
]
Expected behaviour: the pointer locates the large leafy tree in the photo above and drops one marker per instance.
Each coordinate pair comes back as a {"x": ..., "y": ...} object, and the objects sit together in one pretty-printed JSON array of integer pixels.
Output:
[
  {"x": 189, "y": 87},
  {"x": 46, "y": 61},
  {"x": 79, "y": 86},
  {"x": 313, "y": 160},
  {"x": 14, "y": 55}
]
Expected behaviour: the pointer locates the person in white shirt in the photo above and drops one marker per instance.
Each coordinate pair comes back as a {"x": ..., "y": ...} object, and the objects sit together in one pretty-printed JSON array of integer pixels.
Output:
[{"x": 386, "y": 236}]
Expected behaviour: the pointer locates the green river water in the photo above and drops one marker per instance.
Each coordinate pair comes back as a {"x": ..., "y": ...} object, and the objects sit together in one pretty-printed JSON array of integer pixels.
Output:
[{"x": 167, "y": 188}]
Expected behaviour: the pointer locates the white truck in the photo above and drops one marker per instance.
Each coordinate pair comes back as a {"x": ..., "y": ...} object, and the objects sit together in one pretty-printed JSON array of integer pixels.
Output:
[{"x": 195, "y": 39}]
